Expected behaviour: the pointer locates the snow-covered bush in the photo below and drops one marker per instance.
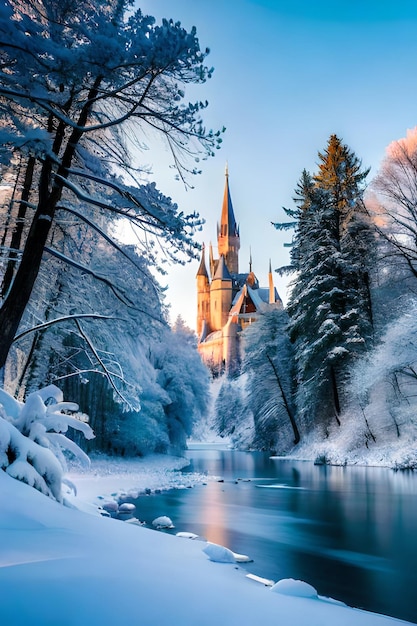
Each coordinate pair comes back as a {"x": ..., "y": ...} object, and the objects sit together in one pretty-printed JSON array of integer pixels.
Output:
[{"x": 32, "y": 438}]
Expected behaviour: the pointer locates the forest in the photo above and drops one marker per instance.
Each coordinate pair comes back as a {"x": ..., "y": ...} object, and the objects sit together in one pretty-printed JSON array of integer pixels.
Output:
[
  {"x": 332, "y": 377},
  {"x": 82, "y": 87}
]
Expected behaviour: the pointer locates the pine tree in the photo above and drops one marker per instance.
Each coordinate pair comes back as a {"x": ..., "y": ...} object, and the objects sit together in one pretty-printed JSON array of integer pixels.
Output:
[{"x": 330, "y": 304}]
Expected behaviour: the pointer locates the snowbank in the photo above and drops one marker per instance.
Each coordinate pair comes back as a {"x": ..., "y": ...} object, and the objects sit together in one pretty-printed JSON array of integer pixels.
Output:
[
  {"x": 110, "y": 479},
  {"x": 62, "y": 566}
]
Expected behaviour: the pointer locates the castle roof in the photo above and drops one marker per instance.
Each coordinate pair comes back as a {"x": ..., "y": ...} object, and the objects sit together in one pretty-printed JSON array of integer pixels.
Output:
[
  {"x": 228, "y": 219},
  {"x": 264, "y": 294},
  {"x": 259, "y": 298},
  {"x": 202, "y": 270},
  {"x": 222, "y": 272}
]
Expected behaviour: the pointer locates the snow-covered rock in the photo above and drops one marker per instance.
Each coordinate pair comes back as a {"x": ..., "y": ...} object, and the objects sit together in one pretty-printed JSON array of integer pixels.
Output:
[
  {"x": 135, "y": 521},
  {"x": 127, "y": 507},
  {"x": 242, "y": 558},
  {"x": 110, "y": 507},
  {"x": 162, "y": 522},
  {"x": 295, "y": 588},
  {"x": 219, "y": 554}
]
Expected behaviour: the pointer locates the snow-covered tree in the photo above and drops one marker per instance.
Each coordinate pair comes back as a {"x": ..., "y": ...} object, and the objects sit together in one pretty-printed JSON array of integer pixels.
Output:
[
  {"x": 383, "y": 388},
  {"x": 181, "y": 329},
  {"x": 33, "y": 437},
  {"x": 233, "y": 418},
  {"x": 330, "y": 304},
  {"x": 81, "y": 85},
  {"x": 393, "y": 201},
  {"x": 268, "y": 362},
  {"x": 185, "y": 381},
  {"x": 142, "y": 384}
]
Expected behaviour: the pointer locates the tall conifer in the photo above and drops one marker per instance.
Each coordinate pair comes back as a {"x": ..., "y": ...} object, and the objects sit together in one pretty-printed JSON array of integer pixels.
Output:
[{"x": 329, "y": 307}]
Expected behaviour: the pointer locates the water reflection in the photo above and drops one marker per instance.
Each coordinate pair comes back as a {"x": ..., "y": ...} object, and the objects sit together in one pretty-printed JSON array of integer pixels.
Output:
[
  {"x": 214, "y": 522},
  {"x": 349, "y": 531}
]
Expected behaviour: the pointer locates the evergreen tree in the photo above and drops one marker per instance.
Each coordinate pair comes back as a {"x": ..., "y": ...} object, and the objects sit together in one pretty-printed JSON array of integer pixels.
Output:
[
  {"x": 330, "y": 304},
  {"x": 268, "y": 362}
]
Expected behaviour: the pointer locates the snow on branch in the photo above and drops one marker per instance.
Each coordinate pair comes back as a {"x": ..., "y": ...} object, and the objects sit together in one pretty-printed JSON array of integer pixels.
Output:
[
  {"x": 62, "y": 257},
  {"x": 32, "y": 439},
  {"x": 108, "y": 375},
  {"x": 106, "y": 237},
  {"x": 64, "y": 318}
]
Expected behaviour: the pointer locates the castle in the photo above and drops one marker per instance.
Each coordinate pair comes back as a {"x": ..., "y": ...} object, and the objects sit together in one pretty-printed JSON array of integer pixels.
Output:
[{"x": 230, "y": 301}]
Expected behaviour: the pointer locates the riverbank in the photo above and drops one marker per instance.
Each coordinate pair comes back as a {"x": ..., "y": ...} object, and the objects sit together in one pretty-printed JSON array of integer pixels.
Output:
[
  {"x": 64, "y": 566},
  {"x": 114, "y": 478}
]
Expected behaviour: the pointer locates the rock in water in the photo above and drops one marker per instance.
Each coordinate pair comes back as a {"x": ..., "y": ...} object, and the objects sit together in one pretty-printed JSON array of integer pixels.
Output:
[
  {"x": 162, "y": 522},
  {"x": 219, "y": 554}
]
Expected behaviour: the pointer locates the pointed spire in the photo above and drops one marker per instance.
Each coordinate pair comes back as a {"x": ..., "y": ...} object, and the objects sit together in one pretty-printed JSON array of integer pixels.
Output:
[
  {"x": 211, "y": 260},
  {"x": 271, "y": 285},
  {"x": 228, "y": 239},
  {"x": 250, "y": 260},
  {"x": 202, "y": 270},
  {"x": 228, "y": 226}
]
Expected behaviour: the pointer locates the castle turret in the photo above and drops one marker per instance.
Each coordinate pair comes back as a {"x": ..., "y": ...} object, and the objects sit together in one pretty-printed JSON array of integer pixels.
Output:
[
  {"x": 228, "y": 239},
  {"x": 203, "y": 295},
  {"x": 220, "y": 295}
]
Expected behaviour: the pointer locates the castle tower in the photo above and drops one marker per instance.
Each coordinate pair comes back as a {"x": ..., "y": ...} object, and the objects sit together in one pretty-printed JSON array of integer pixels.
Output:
[
  {"x": 228, "y": 239},
  {"x": 220, "y": 295},
  {"x": 203, "y": 295},
  {"x": 228, "y": 301}
]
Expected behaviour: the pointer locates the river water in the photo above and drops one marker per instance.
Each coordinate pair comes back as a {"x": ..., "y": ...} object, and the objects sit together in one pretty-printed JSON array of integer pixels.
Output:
[{"x": 351, "y": 532}]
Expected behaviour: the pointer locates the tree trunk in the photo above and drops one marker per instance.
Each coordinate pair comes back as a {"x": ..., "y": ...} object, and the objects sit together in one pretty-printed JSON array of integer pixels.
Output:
[
  {"x": 50, "y": 192},
  {"x": 16, "y": 301},
  {"x": 16, "y": 239},
  {"x": 286, "y": 404},
  {"x": 336, "y": 401}
]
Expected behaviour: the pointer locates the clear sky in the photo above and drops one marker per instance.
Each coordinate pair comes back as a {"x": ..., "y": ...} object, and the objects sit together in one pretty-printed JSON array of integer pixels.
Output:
[{"x": 287, "y": 75}]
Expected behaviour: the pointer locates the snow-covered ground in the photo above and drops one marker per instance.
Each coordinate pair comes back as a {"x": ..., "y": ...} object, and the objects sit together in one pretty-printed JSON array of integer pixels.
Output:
[
  {"x": 109, "y": 479},
  {"x": 63, "y": 567}
]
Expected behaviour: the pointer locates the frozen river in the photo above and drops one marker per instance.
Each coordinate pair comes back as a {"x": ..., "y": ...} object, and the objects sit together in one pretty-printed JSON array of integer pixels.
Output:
[{"x": 351, "y": 532}]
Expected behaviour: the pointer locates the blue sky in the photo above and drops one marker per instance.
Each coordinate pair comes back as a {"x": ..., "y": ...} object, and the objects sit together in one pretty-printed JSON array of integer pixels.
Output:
[{"x": 287, "y": 75}]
